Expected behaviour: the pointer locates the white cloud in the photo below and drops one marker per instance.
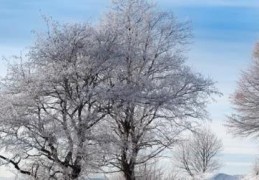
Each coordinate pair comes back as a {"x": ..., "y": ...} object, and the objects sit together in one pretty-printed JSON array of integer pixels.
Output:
[{"x": 227, "y": 3}]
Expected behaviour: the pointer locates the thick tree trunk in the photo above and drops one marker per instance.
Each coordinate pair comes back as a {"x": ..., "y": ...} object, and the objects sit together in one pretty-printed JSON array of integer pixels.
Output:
[
  {"x": 76, "y": 168},
  {"x": 76, "y": 172},
  {"x": 129, "y": 174},
  {"x": 127, "y": 167}
]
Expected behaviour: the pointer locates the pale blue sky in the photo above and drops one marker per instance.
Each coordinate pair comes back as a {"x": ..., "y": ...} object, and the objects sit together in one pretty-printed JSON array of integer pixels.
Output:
[{"x": 225, "y": 32}]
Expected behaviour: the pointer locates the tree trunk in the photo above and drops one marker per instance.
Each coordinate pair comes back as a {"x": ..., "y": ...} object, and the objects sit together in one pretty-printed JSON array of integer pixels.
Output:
[
  {"x": 76, "y": 168},
  {"x": 129, "y": 174},
  {"x": 127, "y": 168}
]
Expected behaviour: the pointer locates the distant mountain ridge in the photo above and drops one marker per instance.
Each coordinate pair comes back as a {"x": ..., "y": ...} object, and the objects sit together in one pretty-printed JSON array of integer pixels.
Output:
[{"x": 222, "y": 176}]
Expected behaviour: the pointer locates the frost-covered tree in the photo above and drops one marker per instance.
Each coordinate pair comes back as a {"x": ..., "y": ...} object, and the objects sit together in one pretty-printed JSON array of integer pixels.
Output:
[
  {"x": 118, "y": 92},
  {"x": 154, "y": 95},
  {"x": 245, "y": 120},
  {"x": 197, "y": 155},
  {"x": 51, "y": 102}
]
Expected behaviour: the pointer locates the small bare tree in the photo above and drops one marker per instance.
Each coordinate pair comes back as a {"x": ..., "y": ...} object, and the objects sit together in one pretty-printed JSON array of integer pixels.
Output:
[
  {"x": 245, "y": 121},
  {"x": 198, "y": 154}
]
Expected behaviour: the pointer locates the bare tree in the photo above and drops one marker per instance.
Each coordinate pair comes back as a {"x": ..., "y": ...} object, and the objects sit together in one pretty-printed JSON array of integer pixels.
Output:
[
  {"x": 245, "y": 121},
  {"x": 154, "y": 96},
  {"x": 198, "y": 154},
  {"x": 122, "y": 86},
  {"x": 51, "y": 103}
]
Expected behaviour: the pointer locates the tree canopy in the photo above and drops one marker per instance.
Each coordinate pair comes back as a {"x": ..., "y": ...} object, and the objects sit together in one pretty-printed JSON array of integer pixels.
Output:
[{"x": 114, "y": 94}]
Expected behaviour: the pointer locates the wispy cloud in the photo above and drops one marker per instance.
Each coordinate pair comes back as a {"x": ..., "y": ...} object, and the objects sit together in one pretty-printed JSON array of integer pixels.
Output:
[{"x": 232, "y": 3}]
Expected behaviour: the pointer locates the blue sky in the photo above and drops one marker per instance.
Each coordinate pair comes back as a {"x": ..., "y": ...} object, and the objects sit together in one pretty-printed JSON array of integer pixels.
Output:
[{"x": 225, "y": 32}]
